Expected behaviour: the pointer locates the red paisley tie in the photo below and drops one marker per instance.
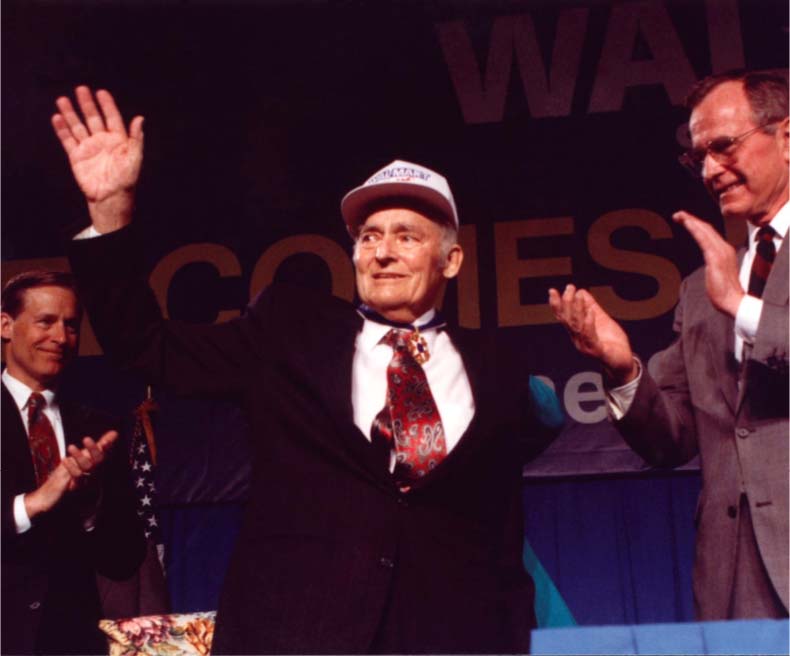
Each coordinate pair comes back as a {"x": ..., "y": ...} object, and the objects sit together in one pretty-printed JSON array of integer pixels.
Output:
[
  {"x": 43, "y": 445},
  {"x": 409, "y": 422}
]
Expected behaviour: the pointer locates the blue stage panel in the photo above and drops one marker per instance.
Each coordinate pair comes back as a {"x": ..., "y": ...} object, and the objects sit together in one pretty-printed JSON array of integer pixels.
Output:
[{"x": 735, "y": 637}]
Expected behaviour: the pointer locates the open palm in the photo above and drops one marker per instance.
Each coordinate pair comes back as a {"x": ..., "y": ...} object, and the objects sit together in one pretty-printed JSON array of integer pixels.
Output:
[
  {"x": 105, "y": 163},
  {"x": 105, "y": 159},
  {"x": 592, "y": 331},
  {"x": 604, "y": 339}
]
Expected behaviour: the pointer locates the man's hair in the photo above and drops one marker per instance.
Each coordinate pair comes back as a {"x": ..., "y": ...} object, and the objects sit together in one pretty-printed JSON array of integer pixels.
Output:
[
  {"x": 449, "y": 239},
  {"x": 766, "y": 91},
  {"x": 13, "y": 297}
]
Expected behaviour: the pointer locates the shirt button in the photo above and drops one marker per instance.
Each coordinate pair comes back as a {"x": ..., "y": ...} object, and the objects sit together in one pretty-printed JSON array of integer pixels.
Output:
[
  {"x": 742, "y": 432},
  {"x": 731, "y": 511},
  {"x": 387, "y": 563},
  {"x": 35, "y": 605}
]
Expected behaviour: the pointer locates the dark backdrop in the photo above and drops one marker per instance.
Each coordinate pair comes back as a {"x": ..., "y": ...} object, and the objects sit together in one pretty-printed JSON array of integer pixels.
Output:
[{"x": 558, "y": 125}]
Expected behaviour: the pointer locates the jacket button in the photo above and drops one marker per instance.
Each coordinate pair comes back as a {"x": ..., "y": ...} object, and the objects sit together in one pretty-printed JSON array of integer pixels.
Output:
[
  {"x": 742, "y": 432},
  {"x": 386, "y": 562},
  {"x": 35, "y": 605},
  {"x": 731, "y": 511}
]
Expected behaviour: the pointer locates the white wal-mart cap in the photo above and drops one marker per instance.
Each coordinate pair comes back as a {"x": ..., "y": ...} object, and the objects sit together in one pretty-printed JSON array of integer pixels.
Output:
[{"x": 399, "y": 179}]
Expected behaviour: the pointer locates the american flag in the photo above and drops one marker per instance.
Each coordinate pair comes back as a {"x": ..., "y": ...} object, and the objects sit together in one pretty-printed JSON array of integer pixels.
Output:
[{"x": 143, "y": 459}]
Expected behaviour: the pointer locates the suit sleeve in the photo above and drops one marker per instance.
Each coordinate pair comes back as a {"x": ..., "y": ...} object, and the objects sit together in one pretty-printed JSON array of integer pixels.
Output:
[
  {"x": 192, "y": 360},
  {"x": 660, "y": 425},
  {"x": 8, "y": 521},
  {"x": 18, "y": 474}
]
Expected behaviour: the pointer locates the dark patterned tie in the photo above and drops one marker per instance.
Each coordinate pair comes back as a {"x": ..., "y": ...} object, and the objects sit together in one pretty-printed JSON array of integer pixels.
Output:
[
  {"x": 409, "y": 422},
  {"x": 43, "y": 445},
  {"x": 763, "y": 259}
]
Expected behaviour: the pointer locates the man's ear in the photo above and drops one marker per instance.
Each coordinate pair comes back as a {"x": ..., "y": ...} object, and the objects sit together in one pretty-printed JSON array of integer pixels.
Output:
[
  {"x": 6, "y": 325},
  {"x": 784, "y": 136},
  {"x": 453, "y": 262}
]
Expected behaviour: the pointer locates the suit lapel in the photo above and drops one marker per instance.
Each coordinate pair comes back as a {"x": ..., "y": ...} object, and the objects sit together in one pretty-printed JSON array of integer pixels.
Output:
[
  {"x": 722, "y": 353},
  {"x": 71, "y": 417},
  {"x": 776, "y": 287},
  {"x": 333, "y": 371},
  {"x": 11, "y": 416},
  {"x": 16, "y": 449},
  {"x": 721, "y": 348}
]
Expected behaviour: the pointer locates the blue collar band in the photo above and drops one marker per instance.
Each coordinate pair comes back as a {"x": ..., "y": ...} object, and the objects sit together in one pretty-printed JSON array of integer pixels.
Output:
[{"x": 367, "y": 312}]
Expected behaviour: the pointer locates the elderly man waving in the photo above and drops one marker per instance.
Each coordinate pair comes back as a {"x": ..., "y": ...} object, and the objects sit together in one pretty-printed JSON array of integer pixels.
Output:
[{"x": 385, "y": 508}]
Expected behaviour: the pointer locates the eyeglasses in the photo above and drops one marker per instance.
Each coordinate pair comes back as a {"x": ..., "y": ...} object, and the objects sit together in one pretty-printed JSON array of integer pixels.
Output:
[{"x": 722, "y": 149}]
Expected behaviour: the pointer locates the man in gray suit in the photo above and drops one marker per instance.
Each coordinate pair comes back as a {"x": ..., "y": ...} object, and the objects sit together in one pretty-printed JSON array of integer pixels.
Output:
[{"x": 721, "y": 389}]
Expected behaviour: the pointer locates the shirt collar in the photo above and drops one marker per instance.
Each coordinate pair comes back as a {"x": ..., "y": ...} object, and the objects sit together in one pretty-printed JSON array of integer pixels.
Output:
[
  {"x": 21, "y": 392},
  {"x": 780, "y": 223},
  {"x": 373, "y": 331}
]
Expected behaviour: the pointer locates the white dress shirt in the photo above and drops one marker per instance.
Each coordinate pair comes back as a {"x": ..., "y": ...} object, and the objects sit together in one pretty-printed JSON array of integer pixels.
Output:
[
  {"x": 444, "y": 370},
  {"x": 21, "y": 395},
  {"x": 747, "y": 319}
]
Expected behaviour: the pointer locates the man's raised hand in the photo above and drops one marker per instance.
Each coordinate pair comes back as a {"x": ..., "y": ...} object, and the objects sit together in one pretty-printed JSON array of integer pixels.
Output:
[
  {"x": 105, "y": 159},
  {"x": 594, "y": 333},
  {"x": 721, "y": 263}
]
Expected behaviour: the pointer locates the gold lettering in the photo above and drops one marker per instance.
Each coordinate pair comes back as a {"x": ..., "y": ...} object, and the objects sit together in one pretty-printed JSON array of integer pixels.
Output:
[
  {"x": 663, "y": 271},
  {"x": 221, "y": 258},
  {"x": 510, "y": 269},
  {"x": 336, "y": 259}
]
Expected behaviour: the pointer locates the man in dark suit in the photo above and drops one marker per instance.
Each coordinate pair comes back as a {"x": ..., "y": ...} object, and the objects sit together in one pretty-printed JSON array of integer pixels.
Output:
[
  {"x": 721, "y": 389},
  {"x": 385, "y": 507},
  {"x": 68, "y": 511}
]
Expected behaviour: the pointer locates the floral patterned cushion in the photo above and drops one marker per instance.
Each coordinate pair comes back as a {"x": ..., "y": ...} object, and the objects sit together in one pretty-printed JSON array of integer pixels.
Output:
[{"x": 161, "y": 635}]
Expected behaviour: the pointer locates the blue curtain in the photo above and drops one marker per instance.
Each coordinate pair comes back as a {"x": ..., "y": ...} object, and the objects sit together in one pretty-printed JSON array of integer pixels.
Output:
[{"x": 619, "y": 549}]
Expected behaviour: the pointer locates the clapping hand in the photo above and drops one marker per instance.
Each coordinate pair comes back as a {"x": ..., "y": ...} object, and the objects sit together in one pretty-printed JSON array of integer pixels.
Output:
[
  {"x": 73, "y": 472},
  {"x": 594, "y": 333},
  {"x": 721, "y": 263}
]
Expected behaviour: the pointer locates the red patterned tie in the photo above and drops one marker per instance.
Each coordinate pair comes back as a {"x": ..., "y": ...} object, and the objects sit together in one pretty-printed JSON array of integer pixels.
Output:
[
  {"x": 763, "y": 259},
  {"x": 43, "y": 445},
  {"x": 409, "y": 422}
]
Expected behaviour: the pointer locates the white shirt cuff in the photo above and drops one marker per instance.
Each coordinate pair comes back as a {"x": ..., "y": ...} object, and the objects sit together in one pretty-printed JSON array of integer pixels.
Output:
[
  {"x": 619, "y": 399},
  {"x": 747, "y": 319},
  {"x": 21, "y": 519},
  {"x": 88, "y": 233}
]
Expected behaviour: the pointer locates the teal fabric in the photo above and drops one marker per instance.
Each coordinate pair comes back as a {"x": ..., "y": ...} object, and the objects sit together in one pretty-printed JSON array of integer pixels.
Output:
[
  {"x": 546, "y": 404},
  {"x": 550, "y": 608}
]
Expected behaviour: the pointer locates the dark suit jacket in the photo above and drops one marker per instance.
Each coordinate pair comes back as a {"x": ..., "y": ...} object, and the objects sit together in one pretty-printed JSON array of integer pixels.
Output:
[
  {"x": 696, "y": 399},
  {"x": 49, "y": 598},
  {"x": 331, "y": 557}
]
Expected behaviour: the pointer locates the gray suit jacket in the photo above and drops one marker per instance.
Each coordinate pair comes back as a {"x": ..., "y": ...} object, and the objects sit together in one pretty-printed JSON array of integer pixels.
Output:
[{"x": 695, "y": 398}]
